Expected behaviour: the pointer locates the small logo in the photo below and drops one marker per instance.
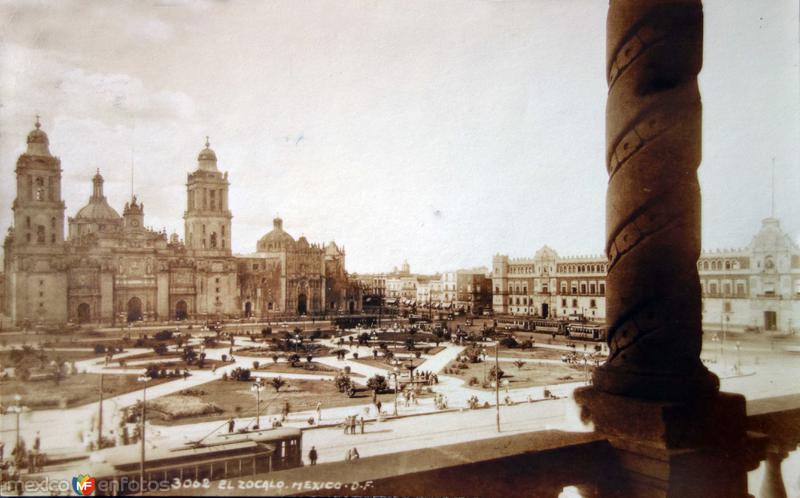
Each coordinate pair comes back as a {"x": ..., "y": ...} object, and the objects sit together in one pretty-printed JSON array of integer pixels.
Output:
[{"x": 83, "y": 484}]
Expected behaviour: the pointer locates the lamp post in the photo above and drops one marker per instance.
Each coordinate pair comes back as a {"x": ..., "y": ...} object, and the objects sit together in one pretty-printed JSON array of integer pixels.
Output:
[
  {"x": 145, "y": 379},
  {"x": 257, "y": 387},
  {"x": 396, "y": 383},
  {"x": 738, "y": 357},
  {"x": 497, "y": 381},
  {"x": 17, "y": 409}
]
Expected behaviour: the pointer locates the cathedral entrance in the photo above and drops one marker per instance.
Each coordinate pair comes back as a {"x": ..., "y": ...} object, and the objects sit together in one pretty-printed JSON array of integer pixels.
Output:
[
  {"x": 545, "y": 310},
  {"x": 84, "y": 313},
  {"x": 248, "y": 309},
  {"x": 352, "y": 307},
  {"x": 181, "y": 310},
  {"x": 302, "y": 306},
  {"x": 134, "y": 309}
]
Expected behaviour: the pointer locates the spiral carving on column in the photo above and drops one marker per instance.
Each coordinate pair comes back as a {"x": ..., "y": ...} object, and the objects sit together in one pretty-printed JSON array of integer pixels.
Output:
[{"x": 653, "y": 133}]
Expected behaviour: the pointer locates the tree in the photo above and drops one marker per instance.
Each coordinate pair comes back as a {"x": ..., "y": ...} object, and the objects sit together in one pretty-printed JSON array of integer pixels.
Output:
[
  {"x": 519, "y": 364},
  {"x": 275, "y": 358},
  {"x": 363, "y": 338},
  {"x": 293, "y": 359},
  {"x": 241, "y": 374},
  {"x": 309, "y": 358},
  {"x": 378, "y": 384},
  {"x": 277, "y": 383},
  {"x": 343, "y": 382}
]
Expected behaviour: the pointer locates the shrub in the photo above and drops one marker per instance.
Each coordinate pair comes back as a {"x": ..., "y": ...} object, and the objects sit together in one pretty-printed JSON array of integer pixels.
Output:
[
  {"x": 527, "y": 344},
  {"x": 343, "y": 382},
  {"x": 275, "y": 358},
  {"x": 355, "y": 355},
  {"x": 378, "y": 383},
  {"x": 473, "y": 381},
  {"x": 347, "y": 370},
  {"x": 256, "y": 364},
  {"x": 99, "y": 348},
  {"x": 160, "y": 348},
  {"x": 240, "y": 374},
  {"x": 224, "y": 357},
  {"x": 163, "y": 335},
  {"x": 462, "y": 366}
]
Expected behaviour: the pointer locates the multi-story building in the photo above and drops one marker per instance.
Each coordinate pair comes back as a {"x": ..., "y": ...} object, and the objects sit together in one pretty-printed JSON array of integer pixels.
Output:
[
  {"x": 112, "y": 268},
  {"x": 756, "y": 287}
]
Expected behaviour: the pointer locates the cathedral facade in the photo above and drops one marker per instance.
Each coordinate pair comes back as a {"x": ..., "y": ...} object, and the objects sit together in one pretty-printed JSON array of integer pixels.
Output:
[{"x": 113, "y": 269}]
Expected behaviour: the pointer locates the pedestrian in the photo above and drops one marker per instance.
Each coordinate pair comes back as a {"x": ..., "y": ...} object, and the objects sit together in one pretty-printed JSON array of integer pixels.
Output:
[
  {"x": 346, "y": 424},
  {"x": 354, "y": 454},
  {"x": 185, "y": 373},
  {"x": 231, "y": 425},
  {"x": 362, "y": 422},
  {"x": 352, "y": 424},
  {"x": 319, "y": 411},
  {"x": 37, "y": 443},
  {"x": 213, "y": 368},
  {"x": 348, "y": 455},
  {"x": 312, "y": 455},
  {"x": 378, "y": 406}
]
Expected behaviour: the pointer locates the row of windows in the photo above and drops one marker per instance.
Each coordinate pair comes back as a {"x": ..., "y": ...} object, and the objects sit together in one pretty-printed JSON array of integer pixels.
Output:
[
  {"x": 592, "y": 303},
  {"x": 718, "y": 265},
  {"x": 586, "y": 268},
  {"x": 713, "y": 289},
  {"x": 584, "y": 288}
]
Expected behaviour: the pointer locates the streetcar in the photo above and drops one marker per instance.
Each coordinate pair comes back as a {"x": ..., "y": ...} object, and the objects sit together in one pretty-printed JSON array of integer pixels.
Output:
[
  {"x": 592, "y": 332},
  {"x": 550, "y": 326},
  {"x": 117, "y": 470}
]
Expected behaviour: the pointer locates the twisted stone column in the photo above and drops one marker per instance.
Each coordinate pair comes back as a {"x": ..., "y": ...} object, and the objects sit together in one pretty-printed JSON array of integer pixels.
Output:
[{"x": 653, "y": 126}]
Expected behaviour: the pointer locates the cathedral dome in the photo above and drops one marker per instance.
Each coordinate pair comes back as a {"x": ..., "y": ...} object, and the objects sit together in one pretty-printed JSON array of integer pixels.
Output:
[
  {"x": 207, "y": 159},
  {"x": 38, "y": 143},
  {"x": 276, "y": 239},
  {"x": 97, "y": 208}
]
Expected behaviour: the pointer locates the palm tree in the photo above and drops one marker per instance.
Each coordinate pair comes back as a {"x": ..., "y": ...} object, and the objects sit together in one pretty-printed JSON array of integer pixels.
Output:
[
  {"x": 277, "y": 383},
  {"x": 519, "y": 364}
]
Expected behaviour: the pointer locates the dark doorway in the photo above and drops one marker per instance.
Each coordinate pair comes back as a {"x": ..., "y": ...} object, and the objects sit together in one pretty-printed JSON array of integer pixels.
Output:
[
  {"x": 545, "y": 310},
  {"x": 181, "y": 310},
  {"x": 302, "y": 307},
  {"x": 352, "y": 306},
  {"x": 770, "y": 320},
  {"x": 248, "y": 309},
  {"x": 84, "y": 313},
  {"x": 134, "y": 309}
]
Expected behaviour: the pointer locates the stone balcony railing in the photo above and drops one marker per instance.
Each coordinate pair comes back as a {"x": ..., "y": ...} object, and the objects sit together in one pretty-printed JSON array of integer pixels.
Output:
[{"x": 545, "y": 463}]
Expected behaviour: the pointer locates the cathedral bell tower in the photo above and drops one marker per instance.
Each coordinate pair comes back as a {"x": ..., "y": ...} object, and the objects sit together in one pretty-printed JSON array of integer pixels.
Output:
[
  {"x": 38, "y": 208},
  {"x": 36, "y": 280},
  {"x": 207, "y": 220}
]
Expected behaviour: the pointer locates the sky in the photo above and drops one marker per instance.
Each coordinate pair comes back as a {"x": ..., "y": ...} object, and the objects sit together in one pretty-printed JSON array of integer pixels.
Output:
[{"x": 438, "y": 132}]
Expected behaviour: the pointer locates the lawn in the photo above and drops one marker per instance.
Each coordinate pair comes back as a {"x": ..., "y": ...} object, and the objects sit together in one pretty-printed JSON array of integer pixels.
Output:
[
  {"x": 302, "y": 368},
  {"x": 529, "y": 375},
  {"x": 235, "y": 399},
  {"x": 74, "y": 390},
  {"x": 33, "y": 359},
  {"x": 528, "y": 354}
]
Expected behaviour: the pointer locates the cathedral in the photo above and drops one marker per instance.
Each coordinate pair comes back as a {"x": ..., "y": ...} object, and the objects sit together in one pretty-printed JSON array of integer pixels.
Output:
[{"x": 112, "y": 269}]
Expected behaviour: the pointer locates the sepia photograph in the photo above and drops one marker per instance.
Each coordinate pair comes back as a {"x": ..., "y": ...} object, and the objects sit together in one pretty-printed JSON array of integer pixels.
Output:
[{"x": 435, "y": 248}]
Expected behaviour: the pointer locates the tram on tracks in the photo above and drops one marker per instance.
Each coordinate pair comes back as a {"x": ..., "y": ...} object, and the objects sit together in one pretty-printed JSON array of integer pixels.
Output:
[
  {"x": 117, "y": 470},
  {"x": 586, "y": 331}
]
